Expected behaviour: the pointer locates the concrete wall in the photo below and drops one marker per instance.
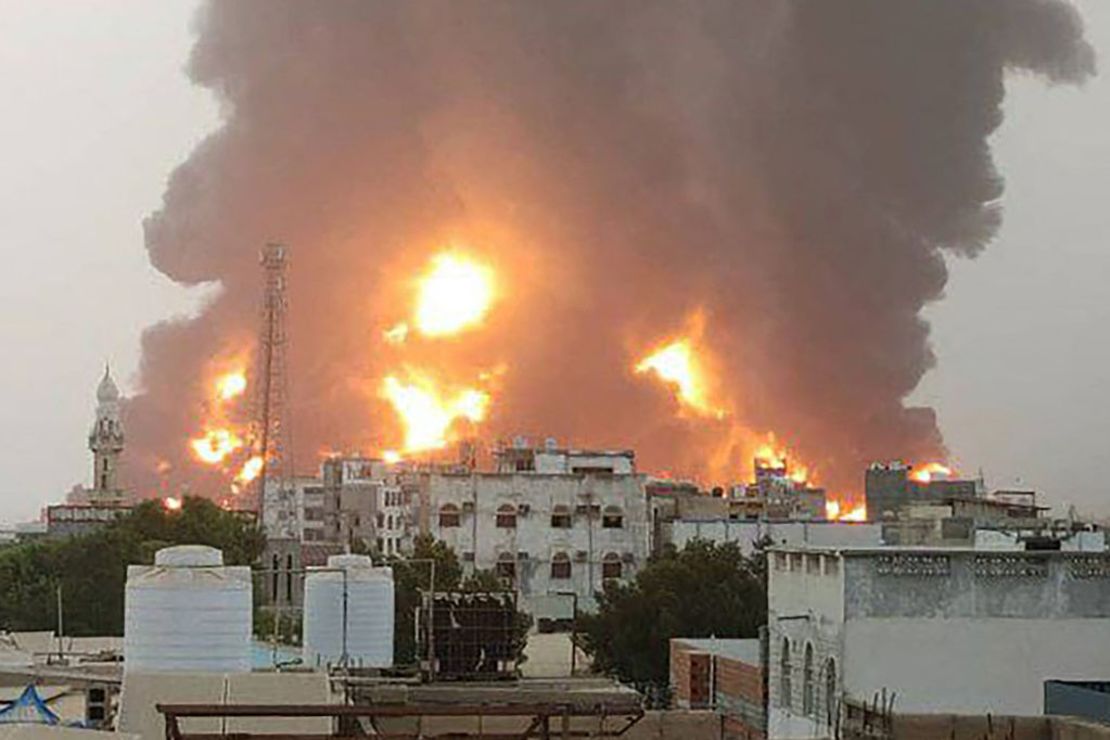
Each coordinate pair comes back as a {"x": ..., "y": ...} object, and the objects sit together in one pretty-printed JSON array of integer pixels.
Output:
[
  {"x": 747, "y": 533},
  {"x": 971, "y": 666}
]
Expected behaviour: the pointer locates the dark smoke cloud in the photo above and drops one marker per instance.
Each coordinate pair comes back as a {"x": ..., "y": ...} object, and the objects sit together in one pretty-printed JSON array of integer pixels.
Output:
[{"x": 796, "y": 169}]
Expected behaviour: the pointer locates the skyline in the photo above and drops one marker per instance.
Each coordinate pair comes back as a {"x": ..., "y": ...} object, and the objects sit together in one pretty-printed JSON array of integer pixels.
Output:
[{"x": 1016, "y": 337}]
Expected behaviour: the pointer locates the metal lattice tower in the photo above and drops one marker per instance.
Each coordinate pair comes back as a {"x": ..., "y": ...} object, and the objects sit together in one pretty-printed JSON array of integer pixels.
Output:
[{"x": 271, "y": 431}]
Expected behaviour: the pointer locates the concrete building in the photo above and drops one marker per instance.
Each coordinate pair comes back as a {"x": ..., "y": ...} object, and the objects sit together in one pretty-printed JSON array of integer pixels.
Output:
[
  {"x": 956, "y": 631},
  {"x": 890, "y": 486},
  {"x": 369, "y": 500},
  {"x": 295, "y": 509},
  {"x": 551, "y": 534}
]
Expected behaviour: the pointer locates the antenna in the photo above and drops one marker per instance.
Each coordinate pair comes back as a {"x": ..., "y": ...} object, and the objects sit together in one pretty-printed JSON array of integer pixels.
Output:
[{"x": 271, "y": 430}]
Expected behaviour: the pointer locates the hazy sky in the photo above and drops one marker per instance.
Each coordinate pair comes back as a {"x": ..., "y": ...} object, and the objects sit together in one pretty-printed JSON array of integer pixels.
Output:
[{"x": 97, "y": 111}]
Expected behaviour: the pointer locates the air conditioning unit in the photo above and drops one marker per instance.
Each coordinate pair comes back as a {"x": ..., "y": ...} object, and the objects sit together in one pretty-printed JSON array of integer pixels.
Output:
[
  {"x": 628, "y": 557},
  {"x": 523, "y": 509},
  {"x": 581, "y": 556},
  {"x": 468, "y": 506},
  {"x": 582, "y": 509},
  {"x": 468, "y": 557}
]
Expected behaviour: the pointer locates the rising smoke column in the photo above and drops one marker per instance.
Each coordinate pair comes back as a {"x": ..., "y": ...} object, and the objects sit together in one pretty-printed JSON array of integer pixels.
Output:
[{"x": 795, "y": 171}]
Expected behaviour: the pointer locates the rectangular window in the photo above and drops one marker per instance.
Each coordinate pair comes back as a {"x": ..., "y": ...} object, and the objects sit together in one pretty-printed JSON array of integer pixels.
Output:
[
  {"x": 813, "y": 564},
  {"x": 560, "y": 569},
  {"x": 505, "y": 569},
  {"x": 611, "y": 569},
  {"x": 449, "y": 519},
  {"x": 780, "y": 561},
  {"x": 560, "y": 520},
  {"x": 832, "y": 565},
  {"x": 612, "y": 521}
]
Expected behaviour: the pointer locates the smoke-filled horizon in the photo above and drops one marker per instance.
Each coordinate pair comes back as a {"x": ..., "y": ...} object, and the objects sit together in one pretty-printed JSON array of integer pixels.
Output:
[{"x": 792, "y": 173}]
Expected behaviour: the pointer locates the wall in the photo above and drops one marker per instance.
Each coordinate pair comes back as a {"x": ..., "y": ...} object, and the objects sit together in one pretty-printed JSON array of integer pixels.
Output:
[{"x": 968, "y": 665}]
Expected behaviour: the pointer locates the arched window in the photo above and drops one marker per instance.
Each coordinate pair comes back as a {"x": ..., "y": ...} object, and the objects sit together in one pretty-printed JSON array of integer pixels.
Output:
[
  {"x": 785, "y": 668},
  {"x": 611, "y": 566},
  {"x": 560, "y": 566},
  {"x": 560, "y": 517},
  {"x": 612, "y": 518},
  {"x": 506, "y": 516},
  {"x": 449, "y": 516},
  {"x": 506, "y": 566},
  {"x": 831, "y": 709},
  {"x": 808, "y": 707}
]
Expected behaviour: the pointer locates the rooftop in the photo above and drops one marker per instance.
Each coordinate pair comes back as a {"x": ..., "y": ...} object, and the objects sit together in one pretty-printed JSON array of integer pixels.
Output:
[{"x": 743, "y": 650}]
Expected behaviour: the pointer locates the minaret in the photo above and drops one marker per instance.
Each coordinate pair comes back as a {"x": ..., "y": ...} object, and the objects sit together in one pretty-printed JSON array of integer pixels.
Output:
[{"x": 106, "y": 439}]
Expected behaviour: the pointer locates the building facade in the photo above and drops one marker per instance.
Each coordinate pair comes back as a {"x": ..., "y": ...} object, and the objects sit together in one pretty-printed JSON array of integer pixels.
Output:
[
  {"x": 557, "y": 537},
  {"x": 957, "y": 631}
]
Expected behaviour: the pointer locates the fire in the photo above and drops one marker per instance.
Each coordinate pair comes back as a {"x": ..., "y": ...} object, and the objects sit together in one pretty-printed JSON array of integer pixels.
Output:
[
  {"x": 391, "y": 456},
  {"x": 767, "y": 456},
  {"x": 231, "y": 385},
  {"x": 171, "y": 503},
  {"x": 834, "y": 511},
  {"x": 927, "y": 472},
  {"x": 250, "y": 470},
  {"x": 677, "y": 364},
  {"x": 216, "y": 445},
  {"x": 456, "y": 293},
  {"x": 428, "y": 412}
]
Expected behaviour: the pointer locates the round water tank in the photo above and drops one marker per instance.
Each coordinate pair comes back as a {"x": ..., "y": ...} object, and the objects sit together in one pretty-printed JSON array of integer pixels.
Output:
[
  {"x": 187, "y": 612},
  {"x": 369, "y": 613}
]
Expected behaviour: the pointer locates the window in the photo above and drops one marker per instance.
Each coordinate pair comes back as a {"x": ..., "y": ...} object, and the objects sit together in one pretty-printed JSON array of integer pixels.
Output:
[
  {"x": 611, "y": 566},
  {"x": 560, "y": 566},
  {"x": 380, "y": 547},
  {"x": 275, "y": 575},
  {"x": 560, "y": 517},
  {"x": 785, "y": 689},
  {"x": 807, "y": 682},
  {"x": 831, "y": 710},
  {"x": 506, "y": 516},
  {"x": 796, "y": 562},
  {"x": 612, "y": 518},
  {"x": 780, "y": 561},
  {"x": 449, "y": 516},
  {"x": 506, "y": 567},
  {"x": 381, "y": 520},
  {"x": 832, "y": 565},
  {"x": 289, "y": 578}
]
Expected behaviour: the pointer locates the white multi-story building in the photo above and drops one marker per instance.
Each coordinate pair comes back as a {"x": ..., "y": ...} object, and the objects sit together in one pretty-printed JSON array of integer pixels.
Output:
[
  {"x": 557, "y": 536},
  {"x": 942, "y": 630},
  {"x": 295, "y": 509}
]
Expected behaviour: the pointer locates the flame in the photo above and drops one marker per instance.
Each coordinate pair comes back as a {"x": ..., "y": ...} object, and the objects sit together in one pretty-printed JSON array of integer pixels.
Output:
[
  {"x": 926, "y": 472},
  {"x": 391, "y": 456},
  {"x": 768, "y": 456},
  {"x": 837, "y": 512},
  {"x": 171, "y": 503},
  {"x": 397, "y": 335},
  {"x": 250, "y": 470},
  {"x": 677, "y": 364},
  {"x": 428, "y": 412},
  {"x": 215, "y": 445},
  {"x": 230, "y": 385},
  {"x": 455, "y": 294}
]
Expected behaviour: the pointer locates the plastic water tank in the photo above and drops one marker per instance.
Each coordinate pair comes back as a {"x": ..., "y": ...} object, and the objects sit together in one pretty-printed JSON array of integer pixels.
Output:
[
  {"x": 187, "y": 612},
  {"x": 369, "y": 613}
]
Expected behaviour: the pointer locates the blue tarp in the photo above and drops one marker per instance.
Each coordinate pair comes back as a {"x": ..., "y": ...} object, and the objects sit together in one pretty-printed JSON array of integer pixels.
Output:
[{"x": 29, "y": 708}]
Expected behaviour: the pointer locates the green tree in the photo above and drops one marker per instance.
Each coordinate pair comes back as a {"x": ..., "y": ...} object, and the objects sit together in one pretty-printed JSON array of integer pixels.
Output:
[
  {"x": 703, "y": 590},
  {"x": 91, "y": 569}
]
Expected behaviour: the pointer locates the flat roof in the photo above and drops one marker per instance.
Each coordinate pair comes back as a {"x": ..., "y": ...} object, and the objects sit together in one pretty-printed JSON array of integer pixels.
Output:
[
  {"x": 926, "y": 550},
  {"x": 743, "y": 650}
]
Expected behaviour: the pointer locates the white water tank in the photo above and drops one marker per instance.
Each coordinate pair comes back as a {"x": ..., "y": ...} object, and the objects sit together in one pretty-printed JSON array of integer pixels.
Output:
[
  {"x": 369, "y": 613},
  {"x": 187, "y": 612}
]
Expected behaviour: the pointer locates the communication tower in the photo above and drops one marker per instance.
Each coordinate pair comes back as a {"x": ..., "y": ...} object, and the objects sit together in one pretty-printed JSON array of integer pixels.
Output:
[{"x": 271, "y": 432}]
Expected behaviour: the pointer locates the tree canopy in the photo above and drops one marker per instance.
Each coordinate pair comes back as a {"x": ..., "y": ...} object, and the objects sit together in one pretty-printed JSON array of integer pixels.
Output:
[
  {"x": 91, "y": 569},
  {"x": 703, "y": 590}
]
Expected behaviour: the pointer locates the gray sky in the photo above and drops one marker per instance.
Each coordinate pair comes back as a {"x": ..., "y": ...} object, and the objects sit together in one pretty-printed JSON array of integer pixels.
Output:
[{"x": 97, "y": 111}]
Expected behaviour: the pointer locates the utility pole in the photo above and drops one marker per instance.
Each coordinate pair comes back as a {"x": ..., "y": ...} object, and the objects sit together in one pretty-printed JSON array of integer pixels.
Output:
[{"x": 271, "y": 432}]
